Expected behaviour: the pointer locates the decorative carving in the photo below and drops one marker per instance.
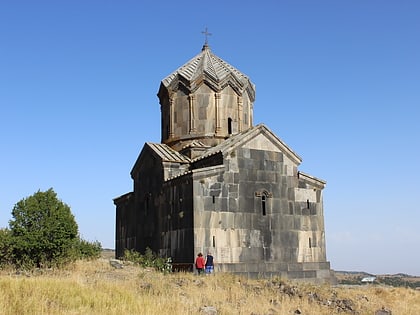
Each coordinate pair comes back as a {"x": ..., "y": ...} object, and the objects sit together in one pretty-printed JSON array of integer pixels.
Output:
[{"x": 263, "y": 192}]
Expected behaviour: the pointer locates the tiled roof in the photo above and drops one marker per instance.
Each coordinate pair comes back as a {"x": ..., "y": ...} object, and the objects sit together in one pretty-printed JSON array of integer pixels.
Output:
[
  {"x": 167, "y": 154},
  {"x": 214, "y": 69}
]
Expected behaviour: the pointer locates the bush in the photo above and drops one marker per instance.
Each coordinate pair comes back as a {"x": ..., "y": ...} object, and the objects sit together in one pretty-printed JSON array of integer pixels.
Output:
[
  {"x": 149, "y": 259},
  {"x": 88, "y": 250}
]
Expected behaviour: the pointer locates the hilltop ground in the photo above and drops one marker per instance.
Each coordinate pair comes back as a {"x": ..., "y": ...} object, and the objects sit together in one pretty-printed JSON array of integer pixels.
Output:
[{"x": 96, "y": 287}]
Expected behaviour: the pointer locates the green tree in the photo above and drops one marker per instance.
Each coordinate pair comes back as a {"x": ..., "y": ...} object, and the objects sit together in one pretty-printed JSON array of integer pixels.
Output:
[
  {"x": 43, "y": 230},
  {"x": 5, "y": 247}
]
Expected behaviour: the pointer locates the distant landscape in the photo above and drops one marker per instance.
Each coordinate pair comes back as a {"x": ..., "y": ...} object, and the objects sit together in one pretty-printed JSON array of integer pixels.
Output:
[{"x": 396, "y": 280}]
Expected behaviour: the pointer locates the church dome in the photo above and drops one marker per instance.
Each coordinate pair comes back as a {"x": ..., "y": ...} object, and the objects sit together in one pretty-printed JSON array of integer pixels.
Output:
[
  {"x": 215, "y": 72},
  {"x": 205, "y": 100}
]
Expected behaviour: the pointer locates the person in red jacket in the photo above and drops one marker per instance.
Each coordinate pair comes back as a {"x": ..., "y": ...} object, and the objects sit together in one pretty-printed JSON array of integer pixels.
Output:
[{"x": 200, "y": 263}]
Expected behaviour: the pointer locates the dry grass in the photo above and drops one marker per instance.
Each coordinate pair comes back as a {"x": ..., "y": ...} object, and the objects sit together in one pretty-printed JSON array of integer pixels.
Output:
[{"x": 97, "y": 288}]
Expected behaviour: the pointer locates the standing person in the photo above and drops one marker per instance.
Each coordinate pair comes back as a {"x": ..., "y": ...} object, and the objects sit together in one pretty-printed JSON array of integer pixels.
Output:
[
  {"x": 209, "y": 263},
  {"x": 200, "y": 263}
]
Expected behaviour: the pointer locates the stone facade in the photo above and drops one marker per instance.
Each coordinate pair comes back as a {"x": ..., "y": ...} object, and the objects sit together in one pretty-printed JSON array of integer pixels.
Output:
[{"x": 218, "y": 183}]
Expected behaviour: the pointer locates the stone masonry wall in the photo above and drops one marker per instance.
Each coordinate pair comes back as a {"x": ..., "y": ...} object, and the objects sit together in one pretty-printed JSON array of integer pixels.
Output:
[{"x": 252, "y": 213}]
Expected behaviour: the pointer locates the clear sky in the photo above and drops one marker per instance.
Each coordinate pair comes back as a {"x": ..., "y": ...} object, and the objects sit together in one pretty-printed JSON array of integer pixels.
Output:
[{"x": 338, "y": 81}]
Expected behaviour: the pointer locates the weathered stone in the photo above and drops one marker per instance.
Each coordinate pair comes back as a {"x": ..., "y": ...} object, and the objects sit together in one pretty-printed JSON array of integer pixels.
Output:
[
  {"x": 115, "y": 263},
  {"x": 383, "y": 311},
  {"x": 208, "y": 310},
  {"x": 217, "y": 182}
]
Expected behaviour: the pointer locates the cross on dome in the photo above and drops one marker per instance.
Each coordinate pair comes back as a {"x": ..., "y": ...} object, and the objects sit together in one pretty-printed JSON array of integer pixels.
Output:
[{"x": 206, "y": 34}]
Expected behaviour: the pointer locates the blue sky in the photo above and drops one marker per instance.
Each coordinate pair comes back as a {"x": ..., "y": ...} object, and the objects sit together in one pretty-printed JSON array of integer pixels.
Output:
[{"x": 338, "y": 81}]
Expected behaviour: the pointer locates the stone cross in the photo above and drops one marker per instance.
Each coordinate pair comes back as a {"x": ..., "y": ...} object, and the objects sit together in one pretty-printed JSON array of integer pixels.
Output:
[{"x": 206, "y": 34}]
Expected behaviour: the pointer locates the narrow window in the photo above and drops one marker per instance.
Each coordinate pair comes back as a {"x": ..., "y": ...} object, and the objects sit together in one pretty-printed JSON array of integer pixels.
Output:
[
  {"x": 214, "y": 199},
  {"x": 229, "y": 125},
  {"x": 307, "y": 203},
  {"x": 263, "y": 204},
  {"x": 290, "y": 208},
  {"x": 310, "y": 243},
  {"x": 214, "y": 241},
  {"x": 147, "y": 204}
]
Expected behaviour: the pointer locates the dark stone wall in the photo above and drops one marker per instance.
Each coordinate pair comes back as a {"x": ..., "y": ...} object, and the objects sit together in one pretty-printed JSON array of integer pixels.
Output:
[
  {"x": 123, "y": 229},
  {"x": 175, "y": 208},
  {"x": 158, "y": 215},
  {"x": 138, "y": 220}
]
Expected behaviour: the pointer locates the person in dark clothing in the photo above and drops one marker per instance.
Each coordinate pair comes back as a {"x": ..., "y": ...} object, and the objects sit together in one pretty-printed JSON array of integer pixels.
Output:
[{"x": 209, "y": 263}]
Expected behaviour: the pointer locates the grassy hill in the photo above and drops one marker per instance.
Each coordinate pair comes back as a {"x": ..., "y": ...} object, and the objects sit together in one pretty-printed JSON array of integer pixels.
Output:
[{"x": 95, "y": 287}]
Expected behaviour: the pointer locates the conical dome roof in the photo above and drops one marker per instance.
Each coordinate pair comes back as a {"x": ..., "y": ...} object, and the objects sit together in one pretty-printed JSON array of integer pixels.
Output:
[{"x": 215, "y": 72}]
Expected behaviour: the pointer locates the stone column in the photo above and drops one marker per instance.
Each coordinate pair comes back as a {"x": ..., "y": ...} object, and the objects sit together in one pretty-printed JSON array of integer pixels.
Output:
[
  {"x": 171, "y": 116},
  {"x": 250, "y": 113},
  {"x": 217, "y": 97},
  {"x": 191, "y": 99},
  {"x": 240, "y": 113}
]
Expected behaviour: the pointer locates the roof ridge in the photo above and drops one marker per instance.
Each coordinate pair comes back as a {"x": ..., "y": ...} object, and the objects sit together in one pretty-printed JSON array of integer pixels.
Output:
[{"x": 208, "y": 60}]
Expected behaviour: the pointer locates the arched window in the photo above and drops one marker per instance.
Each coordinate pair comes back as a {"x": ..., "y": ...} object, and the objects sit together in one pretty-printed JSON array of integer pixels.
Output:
[
  {"x": 229, "y": 125},
  {"x": 261, "y": 201},
  {"x": 263, "y": 204}
]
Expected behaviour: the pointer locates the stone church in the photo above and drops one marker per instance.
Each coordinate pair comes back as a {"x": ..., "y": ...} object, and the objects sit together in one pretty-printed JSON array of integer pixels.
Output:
[{"x": 218, "y": 183}]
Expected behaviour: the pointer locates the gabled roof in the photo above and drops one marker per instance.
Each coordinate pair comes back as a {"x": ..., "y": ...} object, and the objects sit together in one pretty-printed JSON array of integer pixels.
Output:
[
  {"x": 125, "y": 197},
  {"x": 213, "y": 70},
  {"x": 247, "y": 135},
  {"x": 165, "y": 153},
  {"x": 312, "y": 179}
]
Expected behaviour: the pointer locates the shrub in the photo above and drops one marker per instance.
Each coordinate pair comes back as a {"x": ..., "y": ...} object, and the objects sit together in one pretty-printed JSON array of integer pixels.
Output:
[
  {"x": 149, "y": 259},
  {"x": 88, "y": 250}
]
